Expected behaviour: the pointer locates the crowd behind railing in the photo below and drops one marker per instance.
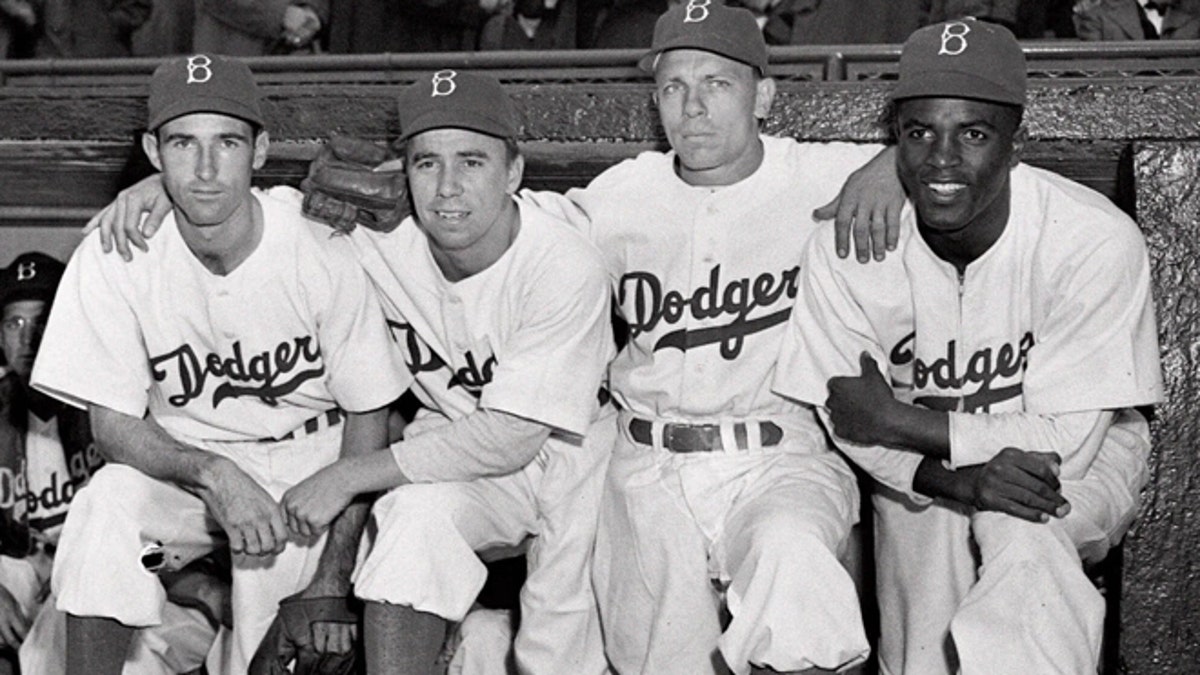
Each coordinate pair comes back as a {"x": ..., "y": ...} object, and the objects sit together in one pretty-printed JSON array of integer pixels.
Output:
[{"x": 122, "y": 28}]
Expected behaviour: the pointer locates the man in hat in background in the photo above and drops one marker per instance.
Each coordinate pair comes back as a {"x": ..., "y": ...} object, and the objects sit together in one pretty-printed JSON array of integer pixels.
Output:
[
  {"x": 1015, "y": 327},
  {"x": 215, "y": 371},
  {"x": 46, "y": 455},
  {"x": 505, "y": 314}
]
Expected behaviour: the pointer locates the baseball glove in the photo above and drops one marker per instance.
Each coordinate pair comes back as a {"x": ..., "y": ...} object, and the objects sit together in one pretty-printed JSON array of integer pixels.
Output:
[
  {"x": 290, "y": 639},
  {"x": 355, "y": 182}
]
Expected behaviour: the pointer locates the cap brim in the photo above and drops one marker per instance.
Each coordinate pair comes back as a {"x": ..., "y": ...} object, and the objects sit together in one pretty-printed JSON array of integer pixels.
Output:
[
  {"x": 953, "y": 84},
  {"x": 457, "y": 119},
  {"x": 44, "y": 293},
  {"x": 205, "y": 104}
]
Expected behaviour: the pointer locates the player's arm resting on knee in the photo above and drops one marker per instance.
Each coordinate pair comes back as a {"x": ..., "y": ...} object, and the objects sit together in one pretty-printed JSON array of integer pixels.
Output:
[
  {"x": 247, "y": 513},
  {"x": 120, "y": 223},
  {"x": 483, "y": 443}
]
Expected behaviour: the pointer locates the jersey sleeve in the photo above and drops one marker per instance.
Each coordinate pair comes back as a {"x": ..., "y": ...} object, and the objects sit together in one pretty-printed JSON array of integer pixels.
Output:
[
  {"x": 1098, "y": 344},
  {"x": 93, "y": 352},
  {"x": 551, "y": 369},
  {"x": 824, "y": 337},
  {"x": 365, "y": 367}
]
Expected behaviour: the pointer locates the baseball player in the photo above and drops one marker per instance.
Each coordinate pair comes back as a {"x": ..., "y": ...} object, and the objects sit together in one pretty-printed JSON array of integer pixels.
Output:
[
  {"x": 720, "y": 492},
  {"x": 46, "y": 455},
  {"x": 217, "y": 371},
  {"x": 1015, "y": 329},
  {"x": 504, "y": 312}
]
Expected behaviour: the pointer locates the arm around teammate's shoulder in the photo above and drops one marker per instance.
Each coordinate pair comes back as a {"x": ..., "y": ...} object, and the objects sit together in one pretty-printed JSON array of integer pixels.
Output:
[{"x": 121, "y": 222}]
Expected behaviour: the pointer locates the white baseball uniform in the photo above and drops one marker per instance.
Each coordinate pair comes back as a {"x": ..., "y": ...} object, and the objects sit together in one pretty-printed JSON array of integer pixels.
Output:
[
  {"x": 252, "y": 365},
  {"x": 529, "y": 336},
  {"x": 43, "y": 491},
  {"x": 1038, "y": 345},
  {"x": 706, "y": 278}
]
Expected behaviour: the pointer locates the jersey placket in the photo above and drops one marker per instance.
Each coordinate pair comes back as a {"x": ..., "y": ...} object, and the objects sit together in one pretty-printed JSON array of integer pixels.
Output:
[{"x": 708, "y": 243}]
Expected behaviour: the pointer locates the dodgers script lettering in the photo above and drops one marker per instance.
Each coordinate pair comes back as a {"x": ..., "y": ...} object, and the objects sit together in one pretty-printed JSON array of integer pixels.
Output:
[
  {"x": 983, "y": 368},
  {"x": 268, "y": 375},
  {"x": 647, "y": 304}
]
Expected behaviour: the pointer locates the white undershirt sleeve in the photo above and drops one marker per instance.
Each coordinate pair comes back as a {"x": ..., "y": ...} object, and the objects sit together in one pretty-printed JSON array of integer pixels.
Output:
[
  {"x": 484, "y": 443},
  {"x": 1075, "y": 436}
]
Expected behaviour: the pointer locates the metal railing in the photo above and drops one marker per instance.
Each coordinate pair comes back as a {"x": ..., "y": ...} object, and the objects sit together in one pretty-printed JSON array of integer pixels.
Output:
[{"x": 828, "y": 63}]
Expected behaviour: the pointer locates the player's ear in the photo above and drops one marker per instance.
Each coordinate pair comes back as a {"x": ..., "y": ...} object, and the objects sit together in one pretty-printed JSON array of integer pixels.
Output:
[
  {"x": 150, "y": 147},
  {"x": 262, "y": 141},
  {"x": 764, "y": 95},
  {"x": 1018, "y": 143},
  {"x": 516, "y": 170}
]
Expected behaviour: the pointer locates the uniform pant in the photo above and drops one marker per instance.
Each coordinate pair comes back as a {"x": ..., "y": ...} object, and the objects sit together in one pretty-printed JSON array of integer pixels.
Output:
[
  {"x": 179, "y": 645},
  {"x": 122, "y": 514},
  {"x": 982, "y": 593},
  {"x": 424, "y": 552},
  {"x": 766, "y": 525}
]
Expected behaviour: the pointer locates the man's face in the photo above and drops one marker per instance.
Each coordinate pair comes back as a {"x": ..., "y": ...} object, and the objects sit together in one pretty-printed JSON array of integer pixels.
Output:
[
  {"x": 710, "y": 107},
  {"x": 206, "y": 161},
  {"x": 21, "y": 328},
  {"x": 954, "y": 158},
  {"x": 461, "y": 182}
]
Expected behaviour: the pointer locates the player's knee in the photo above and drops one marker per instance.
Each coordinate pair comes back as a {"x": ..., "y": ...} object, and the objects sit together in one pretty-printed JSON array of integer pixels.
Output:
[{"x": 433, "y": 505}]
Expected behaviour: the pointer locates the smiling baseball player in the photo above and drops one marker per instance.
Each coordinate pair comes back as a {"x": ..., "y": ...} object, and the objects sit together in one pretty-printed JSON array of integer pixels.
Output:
[
  {"x": 215, "y": 370},
  {"x": 1015, "y": 328}
]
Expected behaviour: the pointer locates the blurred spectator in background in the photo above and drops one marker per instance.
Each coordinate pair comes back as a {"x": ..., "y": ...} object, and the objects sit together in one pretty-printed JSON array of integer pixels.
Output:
[
  {"x": 374, "y": 26},
  {"x": 258, "y": 27},
  {"x": 1137, "y": 19},
  {"x": 826, "y": 22},
  {"x": 168, "y": 31},
  {"x": 17, "y": 21},
  {"x": 76, "y": 28},
  {"x": 1003, "y": 12},
  {"x": 628, "y": 24},
  {"x": 530, "y": 25}
]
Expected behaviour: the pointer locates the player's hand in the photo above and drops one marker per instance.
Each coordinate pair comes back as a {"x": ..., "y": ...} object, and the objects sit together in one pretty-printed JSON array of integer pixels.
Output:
[
  {"x": 120, "y": 223},
  {"x": 249, "y": 515},
  {"x": 1019, "y": 483},
  {"x": 300, "y": 25},
  {"x": 868, "y": 206},
  {"x": 859, "y": 407},
  {"x": 311, "y": 505},
  {"x": 13, "y": 622}
]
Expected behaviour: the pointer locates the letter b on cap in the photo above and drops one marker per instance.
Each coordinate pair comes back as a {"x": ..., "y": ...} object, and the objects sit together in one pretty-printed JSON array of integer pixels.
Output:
[
  {"x": 26, "y": 270},
  {"x": 199, "y": 69},
  {"x": 954, "y": 42},
  {"x": 697, "y": 11},
  {"x": 443, "y": 83}
]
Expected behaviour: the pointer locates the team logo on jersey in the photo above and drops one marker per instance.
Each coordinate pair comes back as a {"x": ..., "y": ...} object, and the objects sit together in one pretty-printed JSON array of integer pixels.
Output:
[
  {"x": 268, "y": 376},
  {"x": 988, "y": 368},
  {"x": 421, "y": 358},
  {"x": 646, "y": 305}
]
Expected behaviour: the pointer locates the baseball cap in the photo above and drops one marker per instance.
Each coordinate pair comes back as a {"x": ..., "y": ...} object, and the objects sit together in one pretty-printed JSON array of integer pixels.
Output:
[
  {"x": 203, "y": 83},
  {"x": 450, "y": 99},
  {"x": 32, "y": 276},
  {"x": 962, "y": 59},
  {"x": 710, "y": 26}
]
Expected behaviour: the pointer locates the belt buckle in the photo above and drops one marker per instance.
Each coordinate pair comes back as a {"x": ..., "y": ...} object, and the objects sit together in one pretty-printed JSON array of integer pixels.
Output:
[{"x": 686, "y": 438}]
